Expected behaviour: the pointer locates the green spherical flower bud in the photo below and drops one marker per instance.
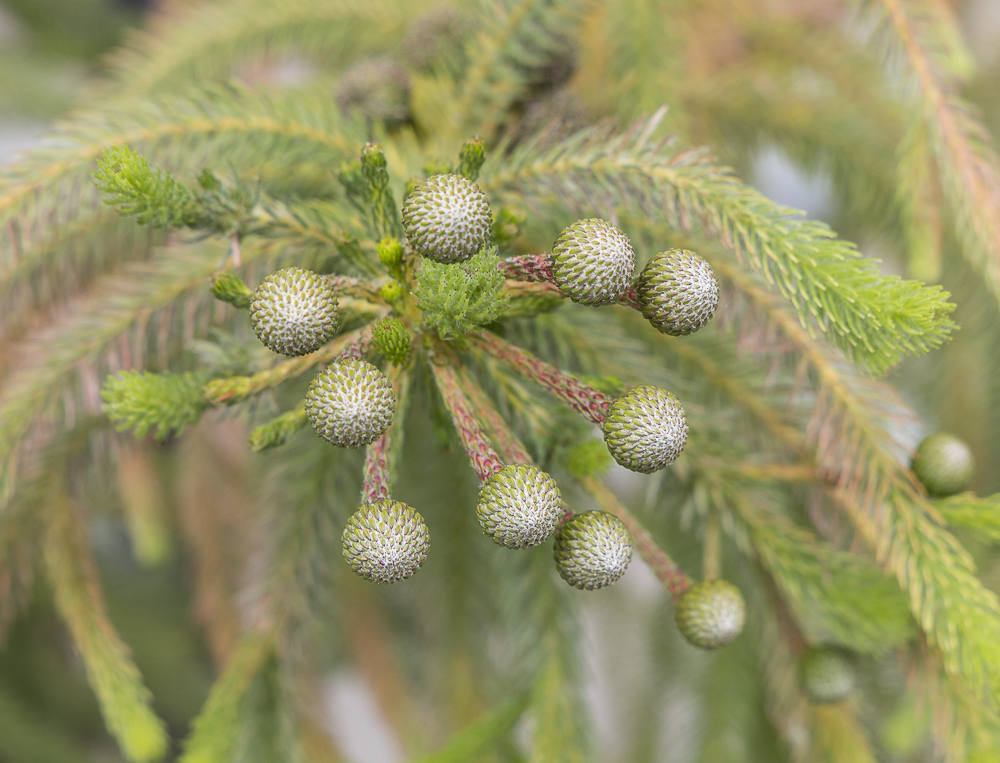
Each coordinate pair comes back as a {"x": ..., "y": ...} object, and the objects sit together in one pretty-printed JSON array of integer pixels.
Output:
[
  {"x": 390, "y": 252},
  {"x": 593, "y": 262},
  {"x": 392, "y": 340},
  {"x": 294, "y": 312},
  {"x": 645, "y": 429},
  {"x": 447, "y": 218},
  {"x": 678, "y": 292},
  {"x": 386, "y": 541},
  {"x": 350, "y": 404},
  {"x": 826, "y": 674},
  {"x": 592, "y": 550},
  {"x": 943, "y": 463},
  {"x": 391, "y": 291},
  {"x": 711, "y": 614},
  {"x": 519, "y": 506}
]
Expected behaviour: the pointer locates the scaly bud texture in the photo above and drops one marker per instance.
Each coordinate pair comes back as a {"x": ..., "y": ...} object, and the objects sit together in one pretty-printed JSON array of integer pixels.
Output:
[
  {"x": 593, "y": 262},
  {"x": 711, "y": 614},
  {"x": 826, "y": 675},
  {"x": 592, "y": 550},
  {"x": 447, "y": 219},
  {"x": 645, "y": 429},
  {"x": 392, "y": 340},
  {"x": 678, "y": 292},
  {"x": 386, "y": 541},
  {"x": 350, "y": 404},
  {"x": 943, "y": 464},
  {"x": 294, "y": 312},
  {"x": 519, "y": 506}
]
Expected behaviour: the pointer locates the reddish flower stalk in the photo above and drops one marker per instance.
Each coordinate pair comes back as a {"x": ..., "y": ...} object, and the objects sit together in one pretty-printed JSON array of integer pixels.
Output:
[
  {"x": 485, "y": 460},
  {"x": 380, "y": 457},
  {"x": 511, "y": 447},
  {"x": 665, "y": 569},
  {"x": 353, "y": 287},
  {"x": 585, "y": 400},
  {"x": 528, "y": 267},
  {"x": 359, "y": 347},
  {"x": 630, "y": 299}
]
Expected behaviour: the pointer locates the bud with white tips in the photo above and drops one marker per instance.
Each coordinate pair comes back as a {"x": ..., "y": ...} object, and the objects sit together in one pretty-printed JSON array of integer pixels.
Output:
[
  {"x": 350, "y": 404},
  {"x": 519, "y": 506},
  {"x": 385, "y": 541},
  {"x": 593, "y": 262},
  {"x": 826, "y": 674},
  {"x": 645, "y": 429},
  {"x": 678, "y": 292},
  {"x": 294, "y": 312},
  {"x": 592, "y": 550},
  {"x": 447, "y": 219},
  {"x": 711, "y": 614}
]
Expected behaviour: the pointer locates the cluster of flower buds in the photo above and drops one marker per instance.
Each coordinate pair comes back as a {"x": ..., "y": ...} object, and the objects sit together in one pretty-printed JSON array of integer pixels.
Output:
[{"x": 447, "y": 218}]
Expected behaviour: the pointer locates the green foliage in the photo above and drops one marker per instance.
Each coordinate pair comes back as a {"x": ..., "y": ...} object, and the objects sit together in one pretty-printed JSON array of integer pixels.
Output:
[
  {"x": 793, "y": 480},
  {"x": 128, "y": 183},
  {"x": 124, "y": 700},
  {"x": 455, "y": 299},
  {"x": 277, "y": 431},
  {"x": 471, "y": 158},
  {"x": 144, "y": 401}
]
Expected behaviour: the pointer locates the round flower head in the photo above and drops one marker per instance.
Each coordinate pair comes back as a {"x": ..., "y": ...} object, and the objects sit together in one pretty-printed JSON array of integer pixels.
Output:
[
  {"x": 519, "y": 506},
  {"x": 447, "y": 218},
  {"x": 678, "y": 292},
  {"x": 592, "y": 550},
  {"x": 711, "y": 614},
  {"x": 943, "y": 463},
  {"x": 386, "y": 541},
  {"x": 826, "y": 674},
  {"x": 645, "y": 429},
  {"x": 294, "y": 312},
  {"x": 593, "y": 262},
  {"x": 350, "y": 404}
]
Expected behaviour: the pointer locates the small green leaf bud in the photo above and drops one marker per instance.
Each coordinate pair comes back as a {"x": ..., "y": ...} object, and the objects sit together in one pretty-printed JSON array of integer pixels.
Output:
[
  {"x": 392, "y": 340},
  {"x": 228, "y": 287},
  {"x": 471, "y": 158},
  {"x": 373, "y": 165},
  {"x": 390, "y": 252},
  {"x": 392, "y": 292}
]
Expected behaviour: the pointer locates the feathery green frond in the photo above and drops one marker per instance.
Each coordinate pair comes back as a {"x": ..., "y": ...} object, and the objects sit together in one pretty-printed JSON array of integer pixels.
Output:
[
  {"x": 155, "y": 198},
  {"x": 210, "y": 41},
  {"x": 143, "y": 401},
  {"x": 455, "y": 299},
  {"x": 124, "y": 700},
  {"x": 876, "y": 320}
]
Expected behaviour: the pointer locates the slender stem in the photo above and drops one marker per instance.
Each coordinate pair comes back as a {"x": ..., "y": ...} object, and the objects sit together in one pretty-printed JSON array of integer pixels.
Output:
[
  {"x": 382, "y": 455},
  {"x": 354, "y": 287},
  {"x": 672, "y": 577},
  {"x": 357, "y": 349},
  {"x": 630, "y": 299},
  {"x": 583, "y": 399},
  {"x": 510, "y": 446},
  {"x": 508, "y": 443},
  {"x": 235, "y": 389},
  {"x": 528, "y": 267},
  {"x": 711, "y": 559},
  {"x": 484, "y": 459}
]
